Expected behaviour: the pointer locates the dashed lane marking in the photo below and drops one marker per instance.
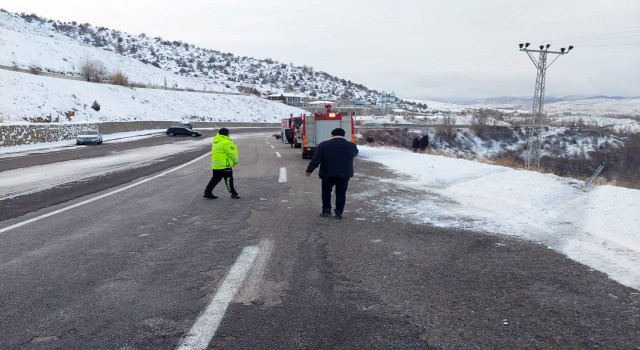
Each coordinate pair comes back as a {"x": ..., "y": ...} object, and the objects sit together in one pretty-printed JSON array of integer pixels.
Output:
[
  {"x": 283, "y": 175},
  {"x": 278, "y": 154},
  {"x": 206, "y": 325}
]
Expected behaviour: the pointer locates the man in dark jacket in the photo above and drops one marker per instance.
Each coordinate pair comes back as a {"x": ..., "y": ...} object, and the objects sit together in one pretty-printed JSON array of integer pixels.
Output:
[
  {"x": 424, "y": 142},
  {"x": 335, "y": 158},
  {"x": 415, "y": 145}
]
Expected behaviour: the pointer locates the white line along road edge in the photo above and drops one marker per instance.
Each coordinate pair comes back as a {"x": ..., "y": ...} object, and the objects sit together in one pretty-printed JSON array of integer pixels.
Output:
[
  {"x": 283, "y": 175},
  {"x": 206, "y": 325},
  {"x": 9, "y": 228}
]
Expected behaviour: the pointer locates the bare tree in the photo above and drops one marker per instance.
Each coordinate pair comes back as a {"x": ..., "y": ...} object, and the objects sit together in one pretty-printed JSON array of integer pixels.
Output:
[
  {"x": 92, "y": 70},
  {"x": 445, "y": 129},
  {"x": 480, "y": 121}
]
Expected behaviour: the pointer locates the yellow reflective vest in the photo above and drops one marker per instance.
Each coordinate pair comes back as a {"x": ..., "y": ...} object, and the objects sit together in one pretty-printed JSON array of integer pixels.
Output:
[{"x": 224, "y": 153}]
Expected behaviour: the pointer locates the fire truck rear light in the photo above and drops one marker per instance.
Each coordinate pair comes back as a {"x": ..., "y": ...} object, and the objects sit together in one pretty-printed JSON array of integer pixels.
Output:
[{"x": 332, "y": 115}]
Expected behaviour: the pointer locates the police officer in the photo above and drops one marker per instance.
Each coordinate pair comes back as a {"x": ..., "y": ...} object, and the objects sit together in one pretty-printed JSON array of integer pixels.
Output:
[{"x": 224, "y": 156}]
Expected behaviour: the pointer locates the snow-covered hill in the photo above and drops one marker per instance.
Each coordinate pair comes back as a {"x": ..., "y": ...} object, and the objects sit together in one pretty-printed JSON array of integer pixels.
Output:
[
  {"x": 33, "y": 43},
  {"x": 594, "y": 106},
  {"x": 56, "y": 46},
  {"x": 26, "y": 95},
  {"x": 26, "y": 45}
]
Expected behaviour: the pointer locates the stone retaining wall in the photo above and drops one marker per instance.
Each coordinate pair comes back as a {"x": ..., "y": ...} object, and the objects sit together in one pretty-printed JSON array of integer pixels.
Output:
[{"x": 27, "y": 134}]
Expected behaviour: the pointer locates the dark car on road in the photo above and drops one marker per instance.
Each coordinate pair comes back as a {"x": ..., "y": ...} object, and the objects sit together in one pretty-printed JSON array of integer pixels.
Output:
[{"x": 182, "y": 131}]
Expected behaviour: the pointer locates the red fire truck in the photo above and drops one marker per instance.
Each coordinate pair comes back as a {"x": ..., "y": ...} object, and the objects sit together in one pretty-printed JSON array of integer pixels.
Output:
[
  {"x": 290, "y": 130},
  {"x": 317, "y": 128}
]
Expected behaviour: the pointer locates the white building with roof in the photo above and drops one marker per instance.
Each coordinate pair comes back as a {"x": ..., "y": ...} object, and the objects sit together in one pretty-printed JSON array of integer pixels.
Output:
[{"x": 288, "y": 98}]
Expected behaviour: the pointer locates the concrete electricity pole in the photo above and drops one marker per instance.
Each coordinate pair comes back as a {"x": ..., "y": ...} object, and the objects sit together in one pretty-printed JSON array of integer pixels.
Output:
[{"x": 534, "y": 141}]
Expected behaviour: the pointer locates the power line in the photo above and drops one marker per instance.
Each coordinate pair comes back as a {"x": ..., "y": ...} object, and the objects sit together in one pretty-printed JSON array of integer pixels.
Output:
[
  {"x": 472, "y": 71},
  {"x": 598, "y": 35},
  {"x": 498, "y": 65},
  {"x": 534, "y": 142},
  {"x": 470, "y": 68},
  {"x": 634, "y": 44},
  {"x": 480, "y": 68},
  {"x": 601, "y": 39}
]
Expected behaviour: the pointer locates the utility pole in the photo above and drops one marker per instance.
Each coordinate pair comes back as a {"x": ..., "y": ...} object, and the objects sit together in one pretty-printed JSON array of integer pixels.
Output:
[{"x": 534, "y": 141}]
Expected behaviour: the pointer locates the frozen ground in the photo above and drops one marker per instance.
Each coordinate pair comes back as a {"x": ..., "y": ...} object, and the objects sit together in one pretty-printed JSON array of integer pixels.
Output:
[{"x": 598, "y": 227}]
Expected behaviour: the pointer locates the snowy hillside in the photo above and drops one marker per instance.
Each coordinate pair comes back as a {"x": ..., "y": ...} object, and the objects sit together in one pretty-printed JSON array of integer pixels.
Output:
[
  {"x": 26, "y": 95},
  {"x": 30, "y": 42},
  {"x": 26, "y": 45},
  {"x": 59, "y": 47},
  {"x": 588, "y": 106}
]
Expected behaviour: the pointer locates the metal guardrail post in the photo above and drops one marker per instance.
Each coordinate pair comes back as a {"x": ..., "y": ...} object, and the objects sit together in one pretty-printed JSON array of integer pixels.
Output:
[{"x": 594, "y": 176}]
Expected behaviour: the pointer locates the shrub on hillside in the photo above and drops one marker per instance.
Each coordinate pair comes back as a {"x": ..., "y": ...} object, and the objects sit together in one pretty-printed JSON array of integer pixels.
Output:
[
  {"x": 48, "y": 119},
  {"x": 119, "y": 78},
  {"x": 95, "y": 106},
  {"x": 70, "y": 115},
  {"x": 35, "y": 69}
]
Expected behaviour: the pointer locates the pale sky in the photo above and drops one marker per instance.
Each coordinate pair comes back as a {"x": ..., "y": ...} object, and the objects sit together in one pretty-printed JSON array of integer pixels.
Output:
[{"x": 425, "y": 49}]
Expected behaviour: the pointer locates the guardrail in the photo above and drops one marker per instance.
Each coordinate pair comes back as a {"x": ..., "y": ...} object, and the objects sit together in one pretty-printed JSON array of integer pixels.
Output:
[{"x": 402, "y": 126}]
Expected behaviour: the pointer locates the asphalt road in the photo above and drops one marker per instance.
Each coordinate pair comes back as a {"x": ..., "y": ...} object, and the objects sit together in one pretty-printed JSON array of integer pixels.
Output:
[
  {"x": 138, "y": 268},
  {"x": 18, "y": 206}
]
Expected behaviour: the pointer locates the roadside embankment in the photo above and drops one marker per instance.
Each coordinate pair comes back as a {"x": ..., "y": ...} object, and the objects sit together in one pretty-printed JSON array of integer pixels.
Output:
[{"x": 28, "y": 134}]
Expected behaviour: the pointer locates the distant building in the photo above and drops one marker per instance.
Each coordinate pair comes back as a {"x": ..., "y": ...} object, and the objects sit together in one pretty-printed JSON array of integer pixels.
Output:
[
  {"x": 361, "y": 103},
  {"x": 291, "y": 99},
  {"x": 321, "y": 103},
  {"x": 387, "y": 100}
]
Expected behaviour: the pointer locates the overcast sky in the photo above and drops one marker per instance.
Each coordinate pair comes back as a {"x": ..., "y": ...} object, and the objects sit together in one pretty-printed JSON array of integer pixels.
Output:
[{"x": 426, "y": 49}]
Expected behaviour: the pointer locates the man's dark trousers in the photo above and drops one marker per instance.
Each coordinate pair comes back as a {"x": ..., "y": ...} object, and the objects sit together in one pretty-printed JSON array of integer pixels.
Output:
[
  {"x": 218, "y": 175},
  {"x": 341, "y": 184}
]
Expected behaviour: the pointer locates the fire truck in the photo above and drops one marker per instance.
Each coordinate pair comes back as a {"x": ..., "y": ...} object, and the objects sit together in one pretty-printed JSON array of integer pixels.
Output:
[
  {"x": 290, "y": 130},
  {"x": 317, "y": 128}
]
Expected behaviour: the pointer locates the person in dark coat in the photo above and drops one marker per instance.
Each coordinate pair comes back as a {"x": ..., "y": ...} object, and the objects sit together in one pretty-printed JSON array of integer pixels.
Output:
[
  {"x": 370, "y": 140},
  {"x": 415, "y": 145},
  {"x": 335, "y": 158},
  {"x": 424, "y": 142}
]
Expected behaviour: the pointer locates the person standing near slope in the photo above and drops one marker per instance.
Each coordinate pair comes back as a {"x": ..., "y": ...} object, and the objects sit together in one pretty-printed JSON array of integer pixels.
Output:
[
  {"x": 224, "y": 156},
  {"x": 335, "y": 158},
  {"x": 415, "y": 145}
]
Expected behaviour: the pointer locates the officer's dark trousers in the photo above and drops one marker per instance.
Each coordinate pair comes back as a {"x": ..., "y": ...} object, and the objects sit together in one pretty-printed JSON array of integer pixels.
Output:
[
  {"x": 341, "y": 193},
  {"x": 227, "y": 175}
]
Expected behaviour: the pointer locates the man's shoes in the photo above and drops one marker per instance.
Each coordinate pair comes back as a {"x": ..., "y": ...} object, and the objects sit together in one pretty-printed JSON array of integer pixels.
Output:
[
  {"x": 209, "y": 196},
  {"x": 235, "y": 196},
  {"x": 325, "y": 214},
  {"x": 339, "y": 216}
]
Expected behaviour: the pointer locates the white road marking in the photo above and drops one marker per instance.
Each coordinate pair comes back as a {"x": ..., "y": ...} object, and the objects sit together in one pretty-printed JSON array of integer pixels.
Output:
[
  {"x": 207, "y": 323},
  {"x": 272, "y": 146},
  {"x": 62, "y": 210},
  {"x": 283, "y": 175},
  {"x": 278, "y": 154},
  {"x": 253, "y": 286}
]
